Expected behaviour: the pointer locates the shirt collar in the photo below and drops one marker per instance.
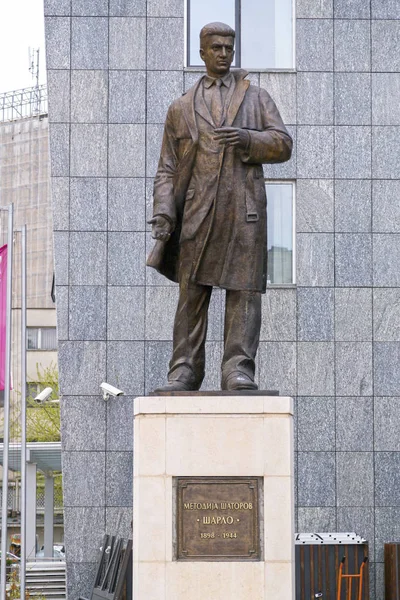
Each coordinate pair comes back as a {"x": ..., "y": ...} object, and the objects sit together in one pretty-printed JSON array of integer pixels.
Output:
[{"x": 226, "y": 80}]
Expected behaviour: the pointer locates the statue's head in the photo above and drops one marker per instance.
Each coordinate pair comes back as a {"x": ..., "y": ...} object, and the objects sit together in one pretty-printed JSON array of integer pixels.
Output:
[{"x": 217, "y": 42}]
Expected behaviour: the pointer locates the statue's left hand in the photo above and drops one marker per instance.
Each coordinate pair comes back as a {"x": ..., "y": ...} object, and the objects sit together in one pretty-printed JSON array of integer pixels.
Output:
[{"x": 233, "y": 136}]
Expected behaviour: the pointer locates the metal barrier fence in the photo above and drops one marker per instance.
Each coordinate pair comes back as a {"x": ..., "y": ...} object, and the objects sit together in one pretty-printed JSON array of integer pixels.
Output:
[{"x": 24, "y": 103}]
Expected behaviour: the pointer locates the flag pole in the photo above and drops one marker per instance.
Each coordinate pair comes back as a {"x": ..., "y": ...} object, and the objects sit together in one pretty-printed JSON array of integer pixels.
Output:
[{"x": 22, "y": 571}]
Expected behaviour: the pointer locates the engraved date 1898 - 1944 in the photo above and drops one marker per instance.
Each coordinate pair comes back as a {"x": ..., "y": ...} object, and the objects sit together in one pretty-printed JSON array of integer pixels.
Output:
[{"x": 227, "y": 535}]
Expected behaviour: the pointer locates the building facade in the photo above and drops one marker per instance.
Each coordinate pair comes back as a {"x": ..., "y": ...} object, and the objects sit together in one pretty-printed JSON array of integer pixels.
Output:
[{"x": 330, "y": 335}]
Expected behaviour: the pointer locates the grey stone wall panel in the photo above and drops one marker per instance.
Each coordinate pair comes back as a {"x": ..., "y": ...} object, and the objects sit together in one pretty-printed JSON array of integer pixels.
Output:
[
  {"x": 167, "y": 8},
  {"x": 154, "y": 136},
  {"x": 126, "y": 204},
  {"x": 62, "y": 309},
  {"x": 127, "y": 97},
  {"x": 89, "y": 96},
  {"x": 277, "y": 367},
  {"x": 163, "y": 87},
  {"x": 119, "y": 469},
  {"x": 59, "y": 149},
  {"x": 352, "y": 45},
  {"x": 88, "y": 258},
  {"x": 386, "y": 369},
  {"x": 318, "y": 518},
  {"x": 57, "y": 8},
  {"x": 387, "y": 479},
  {"x": 90, "y": 8},
  {"x": 80, "y": 577},
  {"x": 314, "y": 206},
  {"x": 316, "y": 479},
  {"x": 58, "y": 86},
  {"x": 61, "y": 254},
  {"x": 161, "y": 303},
  {"x": 353, "y": 259},
  {"x": 385, "y": 9},
  {"x": 352, "y": 98},
  {"x": 278, "y": 315},
  {"x": 385, "y": 152},
  {"x": 164, "y": 33},
  {"x": 353, "y": 205},
  {"x": 88, "y": 204},
  {"x": 212, "y": 379},
  {"x": 126, "y": 150},
  {"x": 386, "y": 206},
  {"x": 126, "y": 258},
  {"x": 119, "y": 436},
  {"x": 127, "y": 43},
  {"x": 387, "y": 315},
  {"x": 125, "y": 366},
  {"x": 125, "y": 309},
  {"x": 387, "y": 527},
  {"x": 353, "y": 368},
  {"x": 315, "y": 254},
  {"x": 353, "y": 314},
  {"x": 89, "y": 43},
  {"x": 119, "y": 519},
  {"x": 88, "y": 150},
  {"x": 386, "y": 260},
  {"x": 315, "y": 98},
  {"x": 74, "y": 413},
  {"x": 87, "y": 312},
  {"x": 315, "y": 314},
  {"x": 355, "y": 475},
  {"x": 315, "y": 152},
  {"x": 315, "y": 364},
  {"x": 386, "y": 430},
  {"x": 353, "y": 152},
  {"x": 60, "y": 202},
  {"x": 361, "y": 519},
  {"x": 354, "y": 425},
  {"x": 385, "y": 91},
  {"x": 314, "y": 45},
  {"x": 314, "y": 9},
  {"x": 157, "y": 357},
  {"x": 127, "y": 8},
  {"x": 386, "y": 46},
  {"x": 57, "y": 35},
  {"x": 282, "y": 89},
  {"x": 83, "y": 473},
  {"x": 321, "y": 413},
  {"x": 285, "y": 170},
  {"x": 87, "y": 524},
  {"x": 352, "y": 9},
  {"x": 82, "y": 367}
]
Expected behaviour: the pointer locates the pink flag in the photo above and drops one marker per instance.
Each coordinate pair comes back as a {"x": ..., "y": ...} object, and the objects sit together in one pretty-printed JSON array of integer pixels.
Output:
[{"x": 3, "y": 312}]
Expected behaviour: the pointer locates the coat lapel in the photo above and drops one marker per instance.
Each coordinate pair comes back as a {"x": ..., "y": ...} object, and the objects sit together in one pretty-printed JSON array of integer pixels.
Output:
[
  {"x": 241, "y": 88},
  {"x": 202, "y": 110}
]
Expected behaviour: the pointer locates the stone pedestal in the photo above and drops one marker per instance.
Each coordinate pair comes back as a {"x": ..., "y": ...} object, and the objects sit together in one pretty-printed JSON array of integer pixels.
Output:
[{"x": 213, "y": 438}]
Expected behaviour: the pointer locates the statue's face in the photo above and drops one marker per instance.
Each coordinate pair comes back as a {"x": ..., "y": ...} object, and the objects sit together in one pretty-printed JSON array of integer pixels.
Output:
[{"x": 218, "y": 53}]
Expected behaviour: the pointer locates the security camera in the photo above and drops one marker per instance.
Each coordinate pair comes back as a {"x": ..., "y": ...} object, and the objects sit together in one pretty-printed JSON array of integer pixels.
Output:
[
  {"x": 108, "y": 390},
  {"x": 44, "y": 395}
]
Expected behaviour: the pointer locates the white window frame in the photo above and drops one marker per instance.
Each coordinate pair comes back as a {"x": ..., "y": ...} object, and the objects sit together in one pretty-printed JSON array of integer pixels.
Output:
[
  {"x": 291, "y": 182},
  {"x": 189, "y": 68}
]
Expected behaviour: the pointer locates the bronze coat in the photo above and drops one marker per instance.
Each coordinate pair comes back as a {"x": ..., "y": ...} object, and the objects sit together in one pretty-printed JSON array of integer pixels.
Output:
[{"x": 238, "y": 236}]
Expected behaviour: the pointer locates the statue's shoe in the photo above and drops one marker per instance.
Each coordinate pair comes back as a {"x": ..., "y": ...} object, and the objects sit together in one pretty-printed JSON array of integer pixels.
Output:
[
  {"x": 176, "y": 386},
  {"x": 238, "y": 381}
]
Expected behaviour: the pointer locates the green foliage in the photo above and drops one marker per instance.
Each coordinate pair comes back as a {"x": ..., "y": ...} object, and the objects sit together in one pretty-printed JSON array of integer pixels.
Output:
[{"x": 43, "y": 420}]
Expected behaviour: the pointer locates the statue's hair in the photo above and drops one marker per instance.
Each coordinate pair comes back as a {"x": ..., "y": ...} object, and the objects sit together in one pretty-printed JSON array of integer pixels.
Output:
[{"x": 215, "y": 29}]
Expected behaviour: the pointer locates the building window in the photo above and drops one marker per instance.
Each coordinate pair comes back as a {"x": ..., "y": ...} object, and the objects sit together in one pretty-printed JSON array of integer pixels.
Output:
[
  {"x": 41, "y": 338},
  {"x": 264, "y": 31},
  {"x": 281, "y": 247}
]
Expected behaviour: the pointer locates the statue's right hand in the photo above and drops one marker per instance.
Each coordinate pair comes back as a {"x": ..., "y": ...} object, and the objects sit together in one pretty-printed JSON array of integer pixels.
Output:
[{"x": 161, "y": 228}]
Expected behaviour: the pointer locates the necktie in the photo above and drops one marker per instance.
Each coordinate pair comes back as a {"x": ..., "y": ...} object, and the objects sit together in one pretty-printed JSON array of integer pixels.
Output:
[{"x": 216, "y": 103}]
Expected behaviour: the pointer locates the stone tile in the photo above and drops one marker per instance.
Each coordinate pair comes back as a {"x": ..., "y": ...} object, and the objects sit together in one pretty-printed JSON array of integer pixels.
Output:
[
  {"x": 315, "y": 259},
  {"x": 119, "y": 424},
  {"x": 355, "y": 479},
  {"x": 82, "y": 367},
  {"x": 158, "y": 355},
  {"x": 88, "y": 258},
  {"x": 377, "y": 585},
  {"x": 316, "y": 424},
  {"x": 119, "y": 521},
  {"x": 385, "y": 90},
  {"x": 119, "y": 469},
  {"x": 89, "y": 93},
  {"x": 127, "y": 8},
  {"x": 353, "y": 259},
  {"x": 352, "y": 99},
  {"x": 385, "y": 9},
  {"x": 90, "y": 8},
  {"x": 61, "y": 253},
  {"x": 387, "y": 315},
  {"x": 315, "y": 369},
  {"x": 315, "y": 314},
  {"x": 353, "y": 368},
  {"x": 315, "y": 152},
  {"x": 80, "y": 576},
  {"x": 88, "y": 202},
  {"x": 386, "y": 260},
  {"x": 62, "y": 293},
  {"x": 125, "y": 366},
  {"x": 57, "y": 32},
  {"x": 359, "y": 519},
  {"x": 352, "y": 205},
  {"x": 167, "y": 8},
  {"x": 386, "y": 206},
  {"x": 74, "y": 414},
  {"x": 161, "y": 303},
  {"x": 60, "y": 201},
  {"x": 191, "y": 77},
  {"x": 353, "y": 152},
  {"x": 385, "y": 152},
  {"x": 127, "y": 43},
  {"x": 87, "y": 312},
  {"x": 59, "y": 149},
  {"x": 315, "y": 98},
  {"x": 386, "y": 46},
  {"x": 386, "y": 368},
  {"x": 387, "y": 528},
  {"x": 88, "y": 150},
  {"x": 162, "y": 88},
  {"x": 89, "y": 43},
  {"x": 277, "y": 367},
  {"x": 126, "y": 259},
  {"x": 56, "y": 8},
  {"x": 352, "y": 45},
  {"x": 286, "y": 170},
  {"x": 83, "y": 475},
  {"x": 316, "y": 479},
  {"x": 127, "y": 96},
  {"x": 279, "y": 315},
  {"x": 126, "y": 151},
  {"x": 170, "y": 31},
  {"x": 154, "y": 136},
  {"x": 314, "y": 45},
  {"x": 125, "y": 313},
  {"x": 386, "y": 429},
  {"x": 59, "y": 96},
  {"x": 317, "y": 518},
  {"x": 314, "y": 205},
  {"x": 387, "y": 478},
  {"x": 353, "y": 314},
  {"x": 314, "y": 9},
  {"x": 126, "y": 204},
  {"x": 212, "y": 379},
  {"x": 352, "y": 9},
  {"x": 86, "y": 523},
  {"x": 354, "y": 425},
  {"x": 282, "y": 88}
]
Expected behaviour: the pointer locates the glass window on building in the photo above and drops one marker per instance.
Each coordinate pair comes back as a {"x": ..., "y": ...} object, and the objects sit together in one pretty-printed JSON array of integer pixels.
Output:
[
  {"x": 264, "y": 31},
  {"x": 280, "y": 211},
  {"x": 41, "y": 338}
]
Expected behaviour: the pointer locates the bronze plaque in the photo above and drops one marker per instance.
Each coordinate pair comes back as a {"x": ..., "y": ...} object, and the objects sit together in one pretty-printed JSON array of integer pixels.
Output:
[{"x": 218, "y": 518}]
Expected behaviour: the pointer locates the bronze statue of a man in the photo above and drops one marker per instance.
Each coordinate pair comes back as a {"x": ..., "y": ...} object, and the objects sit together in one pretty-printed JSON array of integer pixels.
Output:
[{"x": 210, "y": 211}]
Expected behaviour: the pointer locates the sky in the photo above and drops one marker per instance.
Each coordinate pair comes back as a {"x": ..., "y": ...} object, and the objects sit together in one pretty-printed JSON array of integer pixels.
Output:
[{"x": 21, "y": 27}]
